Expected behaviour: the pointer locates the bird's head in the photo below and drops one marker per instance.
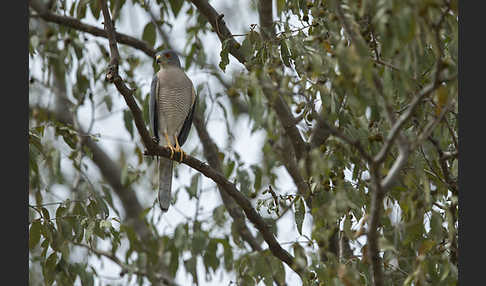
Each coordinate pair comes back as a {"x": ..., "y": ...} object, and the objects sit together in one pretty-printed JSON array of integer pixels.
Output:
[{"x": 167, "y": 58}]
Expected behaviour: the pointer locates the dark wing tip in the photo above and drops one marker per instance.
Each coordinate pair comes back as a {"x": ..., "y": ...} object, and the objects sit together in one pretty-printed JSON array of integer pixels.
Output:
[{"x": 186, "y": 127}]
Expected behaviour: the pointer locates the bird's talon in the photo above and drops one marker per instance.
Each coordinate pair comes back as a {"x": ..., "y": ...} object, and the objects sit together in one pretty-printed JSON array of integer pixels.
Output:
[
  {"x": 182, "y": 155},
  {"x": 171, "y": 152}
]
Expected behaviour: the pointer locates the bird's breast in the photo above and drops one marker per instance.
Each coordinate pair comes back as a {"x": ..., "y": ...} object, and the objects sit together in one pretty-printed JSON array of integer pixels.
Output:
[{"x": 174, "y": 105}]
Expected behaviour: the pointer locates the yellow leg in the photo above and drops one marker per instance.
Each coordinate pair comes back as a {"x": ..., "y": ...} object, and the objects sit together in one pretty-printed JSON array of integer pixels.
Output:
[
  {"x": 179, "y": 149},
  {"x": 169, "y": 145}
]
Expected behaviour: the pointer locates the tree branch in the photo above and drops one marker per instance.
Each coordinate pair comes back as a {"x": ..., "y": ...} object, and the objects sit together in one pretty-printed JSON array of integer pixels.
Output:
[
  {"x": 372, "y": 234},
  {"x": 265, "y": 16}
]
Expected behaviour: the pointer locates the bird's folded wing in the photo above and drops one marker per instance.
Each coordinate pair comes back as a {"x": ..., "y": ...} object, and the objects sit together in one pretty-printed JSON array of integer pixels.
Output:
[{"x": 153, "y": 110}]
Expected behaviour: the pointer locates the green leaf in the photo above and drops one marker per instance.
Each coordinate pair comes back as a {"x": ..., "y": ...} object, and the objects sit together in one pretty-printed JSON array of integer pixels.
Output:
[
  {"x": 45, "y": 213},
  {"x": 105, "y": 224},
  {"x": 258, "y": 177},
  {"x": 227, "y": 254},
  {"x": 109, "y": 102},
  {"x": 174, "y": 261},
  {"x": 180, "y": 235},
  {"x": 280, "y": 6},
  {"x": 246, "y": 47},
  {"x": 244, "y": 179},
  {"x": 81, "y": 9},
  {"x": 48, "y": 270},
  {"x": 51, "y": 261},
  {"x": 299, "y": 253},
  {"x": 299, "y": 214},
  {"x": 235, "y": 235},
  {"x": 34, "y": 234},
  {"x": 218, "y": 215},
  {"x": 60, "y": 212},
  {"x": 210, "y": 258},
  {"x": 190, "y": 265},
  {"x": 128, "y": 119},
  {"x": 261, "y": 265},
  {"x": 89, "y": 230},
  {"x": 192, "y": 189},
  {"x": 284, "y": 51},
  {"x": 278, "y": 269},
  {"x": 224, "y": 54},
  {"x": 176, "y": 6},
  {"x": 94, "y": 6},
  {"x": 86, "y": 278},
  {"x": 102, "y": 207},
  {"x": 148, "y": 34},
  {"x": 33, "y": 163},
  {"x": 199, "y": 242},
  {"x": 229, "y": 168},
  {"x": 35, "y": 141}
]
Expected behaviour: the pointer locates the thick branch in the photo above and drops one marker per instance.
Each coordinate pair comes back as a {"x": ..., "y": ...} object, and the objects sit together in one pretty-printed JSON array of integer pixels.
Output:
[
  {"x": 376, "y": 206},
  {"x": 265, "y": 14}
]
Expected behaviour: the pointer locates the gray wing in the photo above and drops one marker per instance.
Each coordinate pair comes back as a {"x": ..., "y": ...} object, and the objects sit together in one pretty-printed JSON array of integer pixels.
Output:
[
  {"x": 153, "y": 110},
  {"x": 186, "y": 127}
]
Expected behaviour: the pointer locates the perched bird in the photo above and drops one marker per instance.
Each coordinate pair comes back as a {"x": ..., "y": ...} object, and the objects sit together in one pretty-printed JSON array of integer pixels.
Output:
[{"x": 172, "y": 104}]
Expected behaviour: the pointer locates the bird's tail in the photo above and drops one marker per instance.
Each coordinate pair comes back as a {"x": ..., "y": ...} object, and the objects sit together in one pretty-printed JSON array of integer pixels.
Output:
[{"x": 165, "y": 183}]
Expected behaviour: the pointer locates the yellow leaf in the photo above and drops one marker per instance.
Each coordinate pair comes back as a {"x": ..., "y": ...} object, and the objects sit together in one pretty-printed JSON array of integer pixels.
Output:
[
  {"x": 441, "y": 99},
  {"x": 426, "y": 246},
  {"x": 327, "y": 46}
]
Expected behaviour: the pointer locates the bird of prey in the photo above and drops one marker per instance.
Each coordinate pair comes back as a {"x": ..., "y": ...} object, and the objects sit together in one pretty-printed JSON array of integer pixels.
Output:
[{"x": 171, "y": 108}]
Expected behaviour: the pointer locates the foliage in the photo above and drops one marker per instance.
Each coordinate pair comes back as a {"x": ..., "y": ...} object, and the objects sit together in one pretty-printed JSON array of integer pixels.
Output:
[{"x": 347, "y": 72}]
